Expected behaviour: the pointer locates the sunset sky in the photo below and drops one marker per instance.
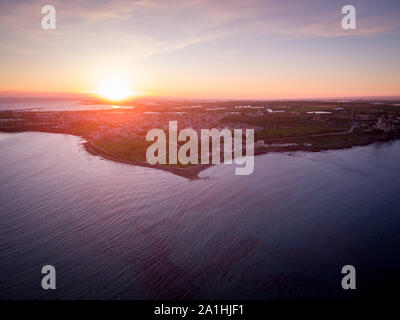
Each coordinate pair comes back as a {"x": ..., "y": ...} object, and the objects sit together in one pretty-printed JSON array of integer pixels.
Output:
[{"x": 203, "y": 48}]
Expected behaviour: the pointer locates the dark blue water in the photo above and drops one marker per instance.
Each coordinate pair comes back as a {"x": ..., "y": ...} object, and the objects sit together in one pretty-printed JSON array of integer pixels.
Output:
[{"x": 125, "y": 232}]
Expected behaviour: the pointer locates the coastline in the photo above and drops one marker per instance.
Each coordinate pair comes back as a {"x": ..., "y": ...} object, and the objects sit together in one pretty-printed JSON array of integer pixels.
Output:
[
  {"x": 193, "y": 171},
  {"x": 189, "y": 172},
  {"x": 118, "y": 135}
]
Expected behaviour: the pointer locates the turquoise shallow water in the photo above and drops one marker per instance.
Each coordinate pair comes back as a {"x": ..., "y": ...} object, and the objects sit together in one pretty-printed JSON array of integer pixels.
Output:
[{"x": 118, "y": 231}]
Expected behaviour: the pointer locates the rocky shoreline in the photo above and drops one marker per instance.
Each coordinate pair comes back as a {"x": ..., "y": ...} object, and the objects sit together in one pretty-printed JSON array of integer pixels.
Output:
[
  {"x": 192, "y": 172},
  {"x": 189, "y": 172}
]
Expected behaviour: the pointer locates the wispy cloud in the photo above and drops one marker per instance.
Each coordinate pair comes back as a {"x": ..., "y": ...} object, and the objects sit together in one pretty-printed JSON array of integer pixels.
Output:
[{"x": 154, "y": 26}]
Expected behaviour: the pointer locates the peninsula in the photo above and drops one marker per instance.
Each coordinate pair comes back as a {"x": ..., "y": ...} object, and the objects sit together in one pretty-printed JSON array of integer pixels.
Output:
[{"x": 119, "y": 133}]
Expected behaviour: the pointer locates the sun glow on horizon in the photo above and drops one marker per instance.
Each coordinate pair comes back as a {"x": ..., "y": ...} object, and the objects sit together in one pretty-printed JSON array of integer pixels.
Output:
[{"x": 114, "y": 89}]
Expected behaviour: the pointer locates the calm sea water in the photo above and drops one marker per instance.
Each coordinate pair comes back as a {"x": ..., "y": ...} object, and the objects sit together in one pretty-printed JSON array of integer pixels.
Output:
[
  {"x": 124, "y": 232},
  {"x": 50, "y": 104}
]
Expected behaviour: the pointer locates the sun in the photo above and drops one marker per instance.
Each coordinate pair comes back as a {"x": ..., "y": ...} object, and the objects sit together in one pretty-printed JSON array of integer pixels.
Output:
[{"x": 114, "y": 89}]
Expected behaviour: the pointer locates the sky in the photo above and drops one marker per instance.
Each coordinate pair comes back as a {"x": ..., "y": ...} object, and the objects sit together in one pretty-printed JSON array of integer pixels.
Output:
[{"x": 255, "y": 49}]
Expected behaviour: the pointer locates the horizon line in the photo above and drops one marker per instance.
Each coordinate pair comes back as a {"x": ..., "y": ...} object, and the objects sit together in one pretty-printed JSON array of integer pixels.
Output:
[{"x": 43, "y": 94}]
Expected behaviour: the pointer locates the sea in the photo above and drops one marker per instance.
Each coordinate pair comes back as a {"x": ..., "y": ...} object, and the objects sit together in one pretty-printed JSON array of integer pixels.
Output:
[
  {"x": 118, "y": 231},
  {"x": 52, "y": 104}
]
